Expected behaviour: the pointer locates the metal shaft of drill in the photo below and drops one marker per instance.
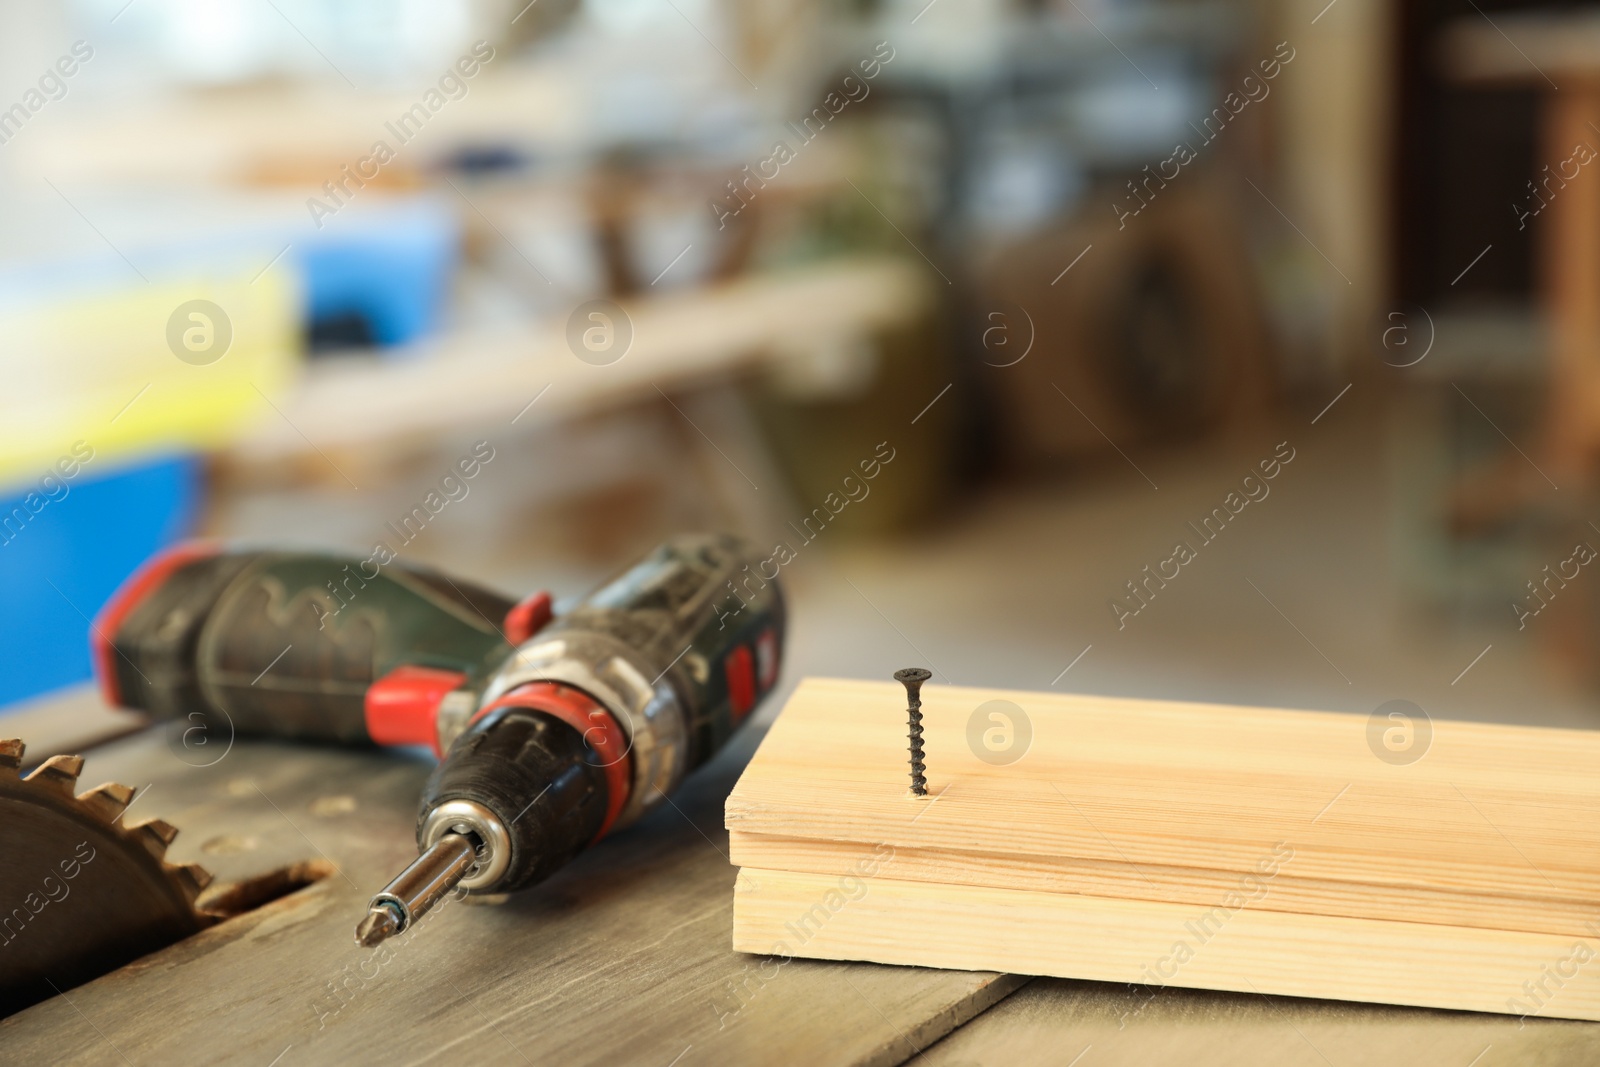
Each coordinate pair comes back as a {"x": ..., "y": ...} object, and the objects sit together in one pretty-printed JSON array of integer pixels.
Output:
[{"x": 417, "y": 889}]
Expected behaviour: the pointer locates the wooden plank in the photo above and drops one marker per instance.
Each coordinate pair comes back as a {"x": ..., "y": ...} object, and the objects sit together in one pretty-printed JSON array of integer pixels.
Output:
[
  {"x": 1195, "y": 886},
  {"x": 624, "y": 957},
  {"x": 1534, "y": 48},
  {"x": 1170, "y": 801},
  {"x": 1154, "y": 943},
  {"x": 471, "y": 376},
  {"x": 188, "y": 137},
  {"x": 1130, "y": 826}
]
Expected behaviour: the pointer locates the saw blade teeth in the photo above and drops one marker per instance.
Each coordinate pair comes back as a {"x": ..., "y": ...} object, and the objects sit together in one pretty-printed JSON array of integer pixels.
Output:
[
  {"x": 107, "y": 801},
  {"x": 59, "y": 773},
  {"x": 155, "y": 835},
  {"x": 144, "y": 900},
  {"x": 190, "y": 877}
]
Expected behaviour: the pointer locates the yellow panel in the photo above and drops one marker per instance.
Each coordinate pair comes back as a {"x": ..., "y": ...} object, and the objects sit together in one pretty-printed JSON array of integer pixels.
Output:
[{"x": 104, "y": 366}]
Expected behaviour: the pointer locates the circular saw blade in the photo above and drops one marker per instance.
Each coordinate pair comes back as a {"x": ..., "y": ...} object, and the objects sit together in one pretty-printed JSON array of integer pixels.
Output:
[{"x": 80, "y": 893}]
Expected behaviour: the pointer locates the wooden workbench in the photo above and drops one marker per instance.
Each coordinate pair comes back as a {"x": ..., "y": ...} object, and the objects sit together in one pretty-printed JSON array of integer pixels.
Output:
[{"x": 624, "y": 957}]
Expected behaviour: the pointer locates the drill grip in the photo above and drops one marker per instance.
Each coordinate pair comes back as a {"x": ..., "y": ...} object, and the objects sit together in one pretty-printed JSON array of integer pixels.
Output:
[{"x": 284, "y": 644}]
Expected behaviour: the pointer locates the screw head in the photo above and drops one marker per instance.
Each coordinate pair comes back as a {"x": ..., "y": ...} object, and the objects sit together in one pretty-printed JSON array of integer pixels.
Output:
[{"x": 912, "y": 678}]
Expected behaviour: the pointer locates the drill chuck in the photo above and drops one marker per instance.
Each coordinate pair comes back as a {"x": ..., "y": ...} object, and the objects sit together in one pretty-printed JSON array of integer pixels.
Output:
[{"x": 519, "y": 795}]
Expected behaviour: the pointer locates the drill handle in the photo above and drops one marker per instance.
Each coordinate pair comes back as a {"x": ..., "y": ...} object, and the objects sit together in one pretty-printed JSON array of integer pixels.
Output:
[{"x": 283, "y": 644}]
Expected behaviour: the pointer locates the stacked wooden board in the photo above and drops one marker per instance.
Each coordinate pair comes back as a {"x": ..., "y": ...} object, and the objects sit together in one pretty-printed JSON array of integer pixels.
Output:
[{"x": 1446, "y": 864}]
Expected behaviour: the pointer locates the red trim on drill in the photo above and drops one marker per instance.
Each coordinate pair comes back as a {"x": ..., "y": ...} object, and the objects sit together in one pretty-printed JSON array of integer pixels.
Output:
[
  {"x": 741, "y": 673},
  {"x": 600, "y": 731},
  {"x": 528, "y": 617},
  {"x": 129, "y": 595},
  {"x": 403, "y": 705}
]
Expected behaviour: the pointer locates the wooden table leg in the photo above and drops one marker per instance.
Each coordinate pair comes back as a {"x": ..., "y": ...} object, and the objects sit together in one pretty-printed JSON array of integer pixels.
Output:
[{"x": 1570, "y": 264}]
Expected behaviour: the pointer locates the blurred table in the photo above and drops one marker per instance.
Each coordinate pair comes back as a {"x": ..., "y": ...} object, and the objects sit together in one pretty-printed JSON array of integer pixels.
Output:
[
  {"x": 685, "y": 352},
  {"x": 473, "y": 378}
]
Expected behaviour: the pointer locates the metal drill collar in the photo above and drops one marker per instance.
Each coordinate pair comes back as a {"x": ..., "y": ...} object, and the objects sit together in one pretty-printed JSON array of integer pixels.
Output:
[{"x": 466, "y": 817}]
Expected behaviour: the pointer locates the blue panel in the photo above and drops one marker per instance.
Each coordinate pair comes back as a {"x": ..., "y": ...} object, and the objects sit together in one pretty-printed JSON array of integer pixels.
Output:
[
  {"x": 66, "y": 560},
  {"x": 392, "y": 269}
]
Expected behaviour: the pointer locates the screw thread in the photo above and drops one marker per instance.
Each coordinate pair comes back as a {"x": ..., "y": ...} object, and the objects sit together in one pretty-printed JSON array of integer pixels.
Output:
[{"x": 919, "y": 782}]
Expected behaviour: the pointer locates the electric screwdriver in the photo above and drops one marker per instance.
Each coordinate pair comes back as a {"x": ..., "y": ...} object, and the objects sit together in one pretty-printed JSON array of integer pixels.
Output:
[{"x": 552, "y": 732}]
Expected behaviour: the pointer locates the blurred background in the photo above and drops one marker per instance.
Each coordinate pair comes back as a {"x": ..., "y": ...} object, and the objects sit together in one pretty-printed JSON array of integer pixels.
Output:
[{"x": 1306, "y": 287}]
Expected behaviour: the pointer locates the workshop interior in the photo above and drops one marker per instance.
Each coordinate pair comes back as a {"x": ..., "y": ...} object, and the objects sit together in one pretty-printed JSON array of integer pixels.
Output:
[{"x": 855, "y": 532}]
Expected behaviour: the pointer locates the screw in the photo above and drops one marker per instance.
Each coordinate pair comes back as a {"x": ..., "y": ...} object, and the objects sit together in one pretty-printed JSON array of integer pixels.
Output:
[{"x": 912, "y": 678}]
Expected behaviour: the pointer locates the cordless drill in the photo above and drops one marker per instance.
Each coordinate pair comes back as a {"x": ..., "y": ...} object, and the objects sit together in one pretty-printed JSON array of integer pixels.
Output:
[{"x": 552, "y": 733}]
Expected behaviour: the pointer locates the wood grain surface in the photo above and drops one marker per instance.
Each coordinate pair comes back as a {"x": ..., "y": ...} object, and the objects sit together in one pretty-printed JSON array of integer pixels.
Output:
[
  {"x": 1093, "y": 1024},
  {"x": 1159, "y": 944},
  {"x": 1494, "y": 826}
]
